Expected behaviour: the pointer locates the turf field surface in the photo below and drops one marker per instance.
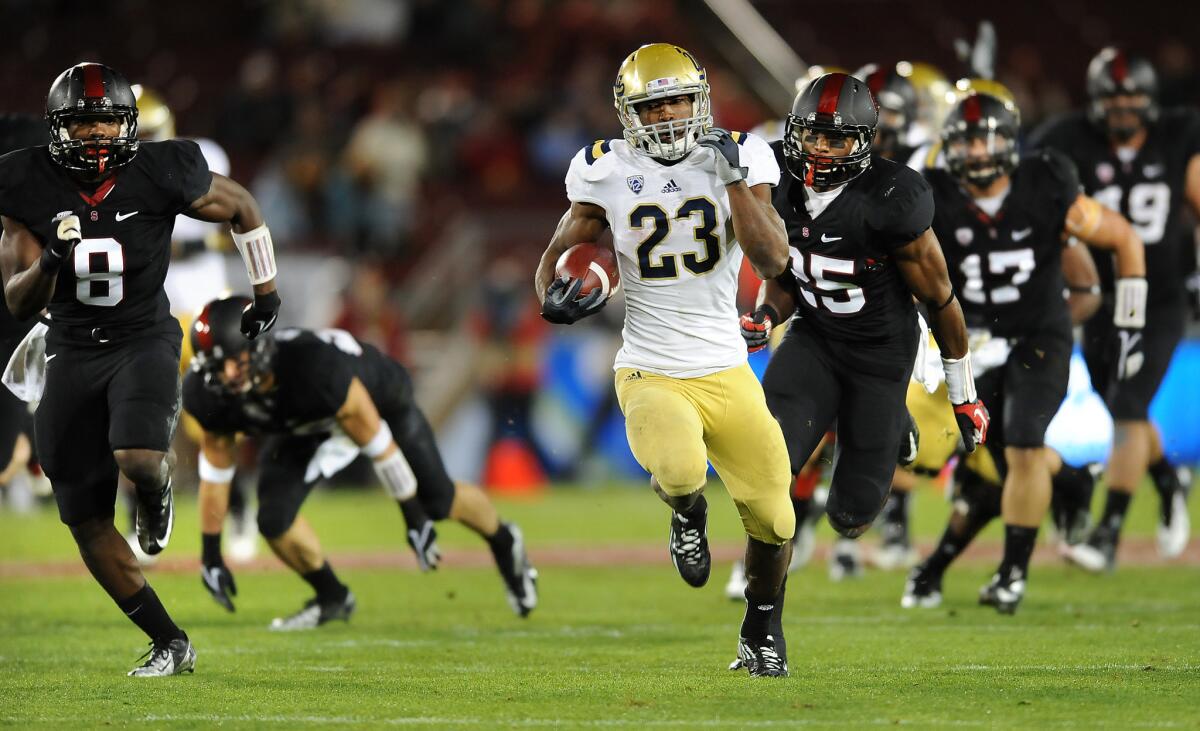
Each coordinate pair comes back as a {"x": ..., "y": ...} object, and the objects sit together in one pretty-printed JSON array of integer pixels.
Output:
[{"x": 618, "y": 641}]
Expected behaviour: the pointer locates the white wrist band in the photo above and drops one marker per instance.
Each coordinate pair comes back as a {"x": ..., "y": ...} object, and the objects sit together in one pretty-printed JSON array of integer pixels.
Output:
[
  {"x": 258, "y": 253},
  {"x": 960, "y": 379},
  {"x": 380, "y": 442},
  {"x": 397, "y": 476},
  {"x": 1131, "y": 302},
  {"x": 209, "y": 472}
]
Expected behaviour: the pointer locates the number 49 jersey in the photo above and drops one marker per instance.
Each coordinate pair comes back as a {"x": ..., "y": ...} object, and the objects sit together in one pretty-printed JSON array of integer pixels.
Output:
[
  {"x": 115, "y": 275},
  {"x": 1149, "y": 189},
  {"x": 676, "y": 250},
  {"x": 1007, "y": 268}
]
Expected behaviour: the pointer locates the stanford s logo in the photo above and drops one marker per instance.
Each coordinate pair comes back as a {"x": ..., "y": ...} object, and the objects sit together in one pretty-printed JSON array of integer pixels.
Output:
[{"x": 635, "y": 183}]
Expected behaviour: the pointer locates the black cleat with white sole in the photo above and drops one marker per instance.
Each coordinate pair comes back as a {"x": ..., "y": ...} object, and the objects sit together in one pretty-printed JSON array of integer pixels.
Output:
[
  {"x": 761, "y": 658},
  {"x": 689, "y": 547},
  {"x": 155, "y": 519},
  {"x": 314, "y": 614},
  {"x": 173, "y": 658},
  {"x": 520, "y": 577},
  {"x": 1005, "y": 594}
]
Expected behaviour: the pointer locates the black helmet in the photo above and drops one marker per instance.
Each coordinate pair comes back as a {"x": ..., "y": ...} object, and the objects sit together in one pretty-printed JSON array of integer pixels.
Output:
[
  {"x": 91, "y": 90},
  {"x": 1114, "y": 73},
  {"x": 990, "y": 118},
  {"x": 893, "y": 93},
  {"x": 833, "y": 104},
  {"x": 217, "y": 335}
]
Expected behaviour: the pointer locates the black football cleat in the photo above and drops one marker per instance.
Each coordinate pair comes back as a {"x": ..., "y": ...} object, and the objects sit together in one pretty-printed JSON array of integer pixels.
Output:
[
  {"x": 520, "y": 577},
  {"x": 761, "y": 658},
  {"x": 689, "y": 548},
  {"x": 314, "y": 614},
  {"x": 922, "y": 590},
  {"x": 155, "y": 519},
  {"x": 1003, "y": 594},
  {"x": 173, "y": 658}
]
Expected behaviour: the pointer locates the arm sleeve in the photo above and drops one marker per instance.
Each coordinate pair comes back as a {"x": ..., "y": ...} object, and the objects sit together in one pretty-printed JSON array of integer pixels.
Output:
[
  {"x": 759, "y": 160},
  {"x": 905, "y": 210},
  {"x": 186, "y": 174}
]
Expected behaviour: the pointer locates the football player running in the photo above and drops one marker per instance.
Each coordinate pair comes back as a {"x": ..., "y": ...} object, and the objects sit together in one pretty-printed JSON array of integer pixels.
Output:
[
  {"x": 1003, "y": 220},
  {"x": 1143, "y": 161},
  {"x": 318, "y": 399},
  {"x": 684, "y": 201},
  {"x": 861, "y": 249},
  {"x": 87, "y": 227}
]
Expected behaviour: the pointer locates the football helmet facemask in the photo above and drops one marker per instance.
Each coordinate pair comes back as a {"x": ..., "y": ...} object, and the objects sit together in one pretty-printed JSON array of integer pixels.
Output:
[
  {"x": 91, "y": 90},
  {"x": 837, "y": 105},
  {"x": 1113, "y": 73},
  {"x": 216, "y": 336},
  {"x": 661, "y": 71},
  {"x": 988, "y": 118}
]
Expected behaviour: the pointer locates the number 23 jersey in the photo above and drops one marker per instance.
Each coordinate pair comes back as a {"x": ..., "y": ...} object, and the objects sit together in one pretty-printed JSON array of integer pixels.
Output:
[
  {"x": 114, "y": 277},
  {"x": 678, "y": 258}
]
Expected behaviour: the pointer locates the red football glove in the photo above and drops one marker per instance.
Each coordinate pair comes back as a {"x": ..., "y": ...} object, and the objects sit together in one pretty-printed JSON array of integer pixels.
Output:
[
  {"x": 756, "y": 327},
  {"x": 973, "y": 420}
]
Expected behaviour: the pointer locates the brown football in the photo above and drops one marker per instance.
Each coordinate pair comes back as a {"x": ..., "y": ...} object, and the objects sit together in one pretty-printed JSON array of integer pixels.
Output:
[{"x": 595, "y": 264}]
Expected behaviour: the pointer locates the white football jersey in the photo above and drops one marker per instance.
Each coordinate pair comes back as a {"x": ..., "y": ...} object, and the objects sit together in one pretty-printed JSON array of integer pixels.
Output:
[{"x": 676, "y": 251}]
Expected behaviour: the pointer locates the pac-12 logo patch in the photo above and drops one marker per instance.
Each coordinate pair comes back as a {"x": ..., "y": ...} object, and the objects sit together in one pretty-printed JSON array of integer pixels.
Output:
[{"x": 636, "y": 183}]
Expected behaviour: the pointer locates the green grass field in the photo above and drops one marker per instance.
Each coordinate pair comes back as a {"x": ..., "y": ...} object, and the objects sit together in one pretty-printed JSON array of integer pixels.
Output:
[{"x": 616, "y": 646}]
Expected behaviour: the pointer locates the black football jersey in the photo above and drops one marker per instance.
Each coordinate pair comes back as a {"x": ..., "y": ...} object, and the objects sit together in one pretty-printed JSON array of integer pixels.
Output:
[
  {"x": 115, "y": 276},
  {"x": 1007, "y": 268},
  {"x": 849, "y": 287},
  {"x": 1148, "y": 190},
  {"x": 313, "y": 371}
]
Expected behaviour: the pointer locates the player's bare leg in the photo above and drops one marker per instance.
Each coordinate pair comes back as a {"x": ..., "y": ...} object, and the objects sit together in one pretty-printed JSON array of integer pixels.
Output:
[
  {"x": 150, "y": 472},
  {"x": 300, "y": 549},
  {"x": 472, "y": 508},
  {"x": 1023, "y": 506}
]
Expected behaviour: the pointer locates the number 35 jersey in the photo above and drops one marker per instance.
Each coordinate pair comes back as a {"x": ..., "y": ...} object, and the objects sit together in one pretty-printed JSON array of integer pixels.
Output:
[
  {"x": 114, "y": 277},
  {"x": 1149, "y": 189},
  {"x": 850, "y": 290},
  {"x": 676, "y": 250},
  {"x": 1007, "y": 268}
]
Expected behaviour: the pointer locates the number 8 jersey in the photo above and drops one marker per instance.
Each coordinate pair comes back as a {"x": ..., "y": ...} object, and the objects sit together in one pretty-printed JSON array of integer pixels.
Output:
[
  {"x": 676, "y": 250},
  {"x": 114, "y": 277}
]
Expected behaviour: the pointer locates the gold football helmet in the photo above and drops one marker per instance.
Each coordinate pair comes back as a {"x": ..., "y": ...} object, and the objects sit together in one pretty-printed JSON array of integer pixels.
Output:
[
  {"x": 963, "y": 88},
  {"x": 932, "y": 87},
  {"x": 155, "y": 120},
  {"x": 659, "y": 71}
]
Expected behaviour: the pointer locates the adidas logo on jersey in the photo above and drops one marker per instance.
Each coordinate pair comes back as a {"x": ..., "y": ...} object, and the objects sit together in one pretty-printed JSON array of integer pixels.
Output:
[{"x": 670, "y": 187}]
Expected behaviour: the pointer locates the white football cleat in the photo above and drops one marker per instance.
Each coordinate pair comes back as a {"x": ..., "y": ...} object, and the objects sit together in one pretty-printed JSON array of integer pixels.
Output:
[{"x": 1173, "y": 536}]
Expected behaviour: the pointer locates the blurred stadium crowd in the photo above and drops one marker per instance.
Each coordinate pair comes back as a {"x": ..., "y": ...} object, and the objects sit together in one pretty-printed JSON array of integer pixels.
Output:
[{"x": 423, "y": 143}]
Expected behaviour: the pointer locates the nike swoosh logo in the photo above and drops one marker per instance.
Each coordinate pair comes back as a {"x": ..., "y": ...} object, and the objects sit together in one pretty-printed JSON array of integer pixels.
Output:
[
  {"x": 122, "y": 216},
  {"x": 825, "y": 239},
  {"x": 1019, "y": 235},
  {"x": 212, "y": 577},
  {"x": 51, "y": 357}
]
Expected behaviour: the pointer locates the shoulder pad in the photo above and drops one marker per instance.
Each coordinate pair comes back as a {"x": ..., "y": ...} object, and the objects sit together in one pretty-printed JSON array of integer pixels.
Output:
[
  {"x": 1059, "y": 164},
  {"x": 596, "y": 150}
]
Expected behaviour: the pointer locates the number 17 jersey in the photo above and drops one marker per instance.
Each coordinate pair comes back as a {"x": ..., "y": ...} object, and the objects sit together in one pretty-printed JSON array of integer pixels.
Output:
[{"x": 679, "y": 261}]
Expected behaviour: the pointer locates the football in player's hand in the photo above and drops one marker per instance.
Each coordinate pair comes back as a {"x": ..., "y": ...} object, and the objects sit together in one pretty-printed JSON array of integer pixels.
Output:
[{"x": 595, "y": 265}]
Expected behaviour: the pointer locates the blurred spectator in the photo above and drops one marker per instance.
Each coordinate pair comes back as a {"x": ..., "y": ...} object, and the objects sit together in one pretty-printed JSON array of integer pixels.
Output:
[{"x": 369, "y": 314}]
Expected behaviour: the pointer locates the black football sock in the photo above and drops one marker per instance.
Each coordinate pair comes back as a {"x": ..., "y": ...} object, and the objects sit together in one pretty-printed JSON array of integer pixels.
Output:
[
  {"x": 698, "y": 512},
  {"x": 501, "y": 543},
  {"x": 1018, "y": 547},
  {"x": 210, "y": 548},
  {"x": 1116, "y": 504},
  {"x": 775, "y": 629},
  {"x": 1166, "y": 481},
  {"x": 895, "y": 517},
  {"x": 960, "y": 531},
  {"x": 146, "y": 611},
  {"x": 757, "y": 623},
  {"x": 325, "y": 582},
  {"x": 1071, "y": 492}
]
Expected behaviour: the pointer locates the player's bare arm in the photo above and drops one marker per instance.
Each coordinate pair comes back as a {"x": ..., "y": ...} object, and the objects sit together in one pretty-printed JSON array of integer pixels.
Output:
[
  {"x": 1083, "y": 281},
  {"x": 582, "y": 222},
  {"x": 923, "y": 269},
  {"x": 28, "y": 286},
  {"x": 360, "y": 419},
  {"x": 758, "y": 228},
  {"x": 1191, "y": 186},
  {"x": 228, "y": 202},
  {"x": 1104, "y": 228},
  {"x": 216, "y": 475}
]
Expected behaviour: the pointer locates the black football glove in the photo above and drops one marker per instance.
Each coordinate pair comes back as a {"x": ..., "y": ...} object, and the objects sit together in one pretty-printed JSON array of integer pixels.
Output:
[
  {"x": 421, "y": 535},
  {"x": 1127, "y": 346},
  {"x": 729, "y": 167},
  {"x": 756, "y": 327},
  {"x": 218, "y": 579},
  {"x": 58, "y": 249},
  {"x": 973, "y": 420},
  {"x": 561, "y": 307},
  {"x": 260, "y": 316}
]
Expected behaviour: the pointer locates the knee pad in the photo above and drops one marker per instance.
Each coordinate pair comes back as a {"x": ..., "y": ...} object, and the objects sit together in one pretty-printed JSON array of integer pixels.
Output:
[
  {"x": 847, "y": 525},
  {"x": 274, "y": 520},
  {"x": 851, "y": 518},
  {"x": 438, "y": 501},
  {"x": 680, "y": 474},
  {"x": 771, "y": 521}
]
